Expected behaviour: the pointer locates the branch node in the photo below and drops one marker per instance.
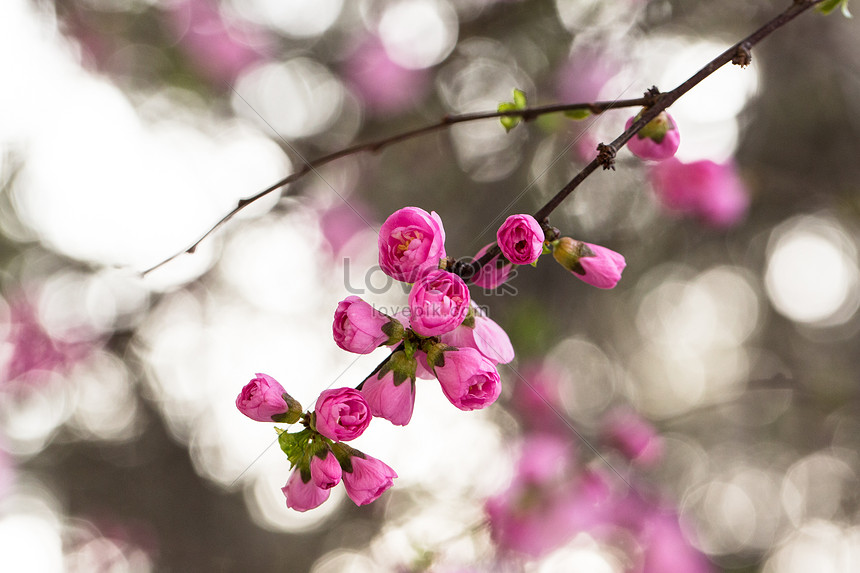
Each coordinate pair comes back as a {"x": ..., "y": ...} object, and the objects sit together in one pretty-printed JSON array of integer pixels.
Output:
[
  {"x": 743, "y": 56},
  {"x": 606, "y": 156},
  {"x": 651, "y": 96}
]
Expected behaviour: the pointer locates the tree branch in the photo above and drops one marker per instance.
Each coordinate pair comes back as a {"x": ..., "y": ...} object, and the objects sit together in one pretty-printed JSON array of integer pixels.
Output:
[
  {"x": 739, "y": 53},
  {"x": 527, "y": 114}
]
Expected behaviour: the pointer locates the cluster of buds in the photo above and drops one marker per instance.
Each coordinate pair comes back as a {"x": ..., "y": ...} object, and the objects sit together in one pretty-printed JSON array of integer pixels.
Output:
[
  {"x": 318, "y": 454},
  {"x": 442, "y": 335}
]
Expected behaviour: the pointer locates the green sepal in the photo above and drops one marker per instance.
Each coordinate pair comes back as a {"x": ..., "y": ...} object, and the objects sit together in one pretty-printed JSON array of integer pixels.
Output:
[
  {"x": 293, "y": 413},
  {"x": 577, "y": 114},
  {"x": 401, "y": 366},
  {"x": 547, "y": 248},
  {"x": 343, "y": 453},
  {"x": 410, "y": 345},
  {"x": 534, "y": 263},
  {"x": 829, "y": 6},
  {"x": 469, "y": 321},
  {"x": 295, "y": 444},
  {"x": 394, "y": 330},
  {"x": 436, "y": 354}
]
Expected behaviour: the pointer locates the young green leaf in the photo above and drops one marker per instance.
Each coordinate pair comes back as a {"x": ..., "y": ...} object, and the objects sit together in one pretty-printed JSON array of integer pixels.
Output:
[
  {"x": 829, "y": 6},
  {"x": 511, "y": 121}
]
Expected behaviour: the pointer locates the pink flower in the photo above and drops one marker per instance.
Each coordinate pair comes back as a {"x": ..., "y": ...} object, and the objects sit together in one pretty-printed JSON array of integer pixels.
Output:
[
  {"x": 596, "y": 265},
  {"x": 303, "y": 495},
  {"x": 342, "y": 414},
  {"x": 494, "y": 273},
  {"x": 325, "y": 472},
  {"x": 711, "y": 191},
  {"x": 658, "y": 140},
  {"x": 262, "y": 398},
  {"x": 411, "y": 242},
  {"x": 388, "y": 400},
  {"x": 486, "y": 336},
  {"x": 633, "y": 436},
  {"x": 438, "y": 303},
  {"x": 358, "y": 327},
  {"x": 521, "y": 239},
  {"x": 368, "y": 479},
  {"x": 469, "y": 380},
  {"x": 603, "y": 270}
]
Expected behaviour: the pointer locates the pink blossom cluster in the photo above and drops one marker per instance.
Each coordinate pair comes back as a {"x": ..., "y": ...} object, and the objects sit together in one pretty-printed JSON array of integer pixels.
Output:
[
  {"x": 318, "y": 454},
  {"x": 442, "y": 335}
]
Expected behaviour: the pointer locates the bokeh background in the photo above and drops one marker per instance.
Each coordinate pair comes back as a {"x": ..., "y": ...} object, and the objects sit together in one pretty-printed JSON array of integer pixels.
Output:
[{"x": 129, "y": 127}]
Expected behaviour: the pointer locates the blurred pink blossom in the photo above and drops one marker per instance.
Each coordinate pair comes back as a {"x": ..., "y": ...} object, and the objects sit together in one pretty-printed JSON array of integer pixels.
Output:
[
  {"x": 633, "y": 436},
  {"x": 343, "y": 221},
  {"x": 383, "y": 86},
  {"x": 536, "y": 397},
  {"x": 219, "y": 48},
  {"x": 712, "y": 192},
  {"x": 547, "y": 503},
  {"x": 30, "y": 352}
]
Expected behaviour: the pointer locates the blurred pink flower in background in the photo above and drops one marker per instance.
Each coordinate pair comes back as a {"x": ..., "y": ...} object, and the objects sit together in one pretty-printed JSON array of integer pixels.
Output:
[
  {"x": 382, "y": 85},
  {"x": 219, "y": 48},
  {"x": 536, "y": 397},
  {"x": 547, "y": 502},
  {"x": 712, "y": 192},
  {"x": 341, "y": 222},
  {"x": 633, "y": 436},
  {"x": 29, "y": 353}
]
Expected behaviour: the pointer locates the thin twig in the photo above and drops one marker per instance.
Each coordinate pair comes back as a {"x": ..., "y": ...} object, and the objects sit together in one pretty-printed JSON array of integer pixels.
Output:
[{"x": 527, "y": 114}]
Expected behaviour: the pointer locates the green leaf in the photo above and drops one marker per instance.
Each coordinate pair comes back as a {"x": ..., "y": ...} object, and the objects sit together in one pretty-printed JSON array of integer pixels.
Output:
[
  {"x": 294, "y": 445},
  {"x": 829, "y": 6},
  {"x": 520, "y": 98},
  {"x": 577, "y": 113},
  {"x": 508, "y": 121}
]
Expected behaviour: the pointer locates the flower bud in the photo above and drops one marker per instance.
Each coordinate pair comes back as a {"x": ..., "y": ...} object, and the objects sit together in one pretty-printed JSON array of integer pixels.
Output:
[
  {"x": 265, "y": 400},
  {"x": 391, "y": 391},
  {"x": 325, "y": 471},
  {"x": 341, "y": 414},
  {"x": 596, "y": 265},
  {"x": 468, "y": 379},
  {"x": 658, "y": 140},
  {"x": 360, "y": 328},
  {"x": 521, "y": 239},
  {"x": 366, "y": 478},
  {"x": 302, "y": 494}
]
